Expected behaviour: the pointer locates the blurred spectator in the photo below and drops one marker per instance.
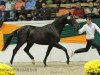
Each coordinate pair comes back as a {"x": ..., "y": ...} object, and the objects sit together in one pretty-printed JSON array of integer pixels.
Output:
[
  {"x": 89, "y": 0},
  {"x": 13, "y": 13},
  {"x": 84, "y": 1},
  {"x": 38, "y": 4},
  {"x": 94, "y": 0},
  {"x": 79, "y": 1},
  {"x": 30, "y": 14},
  {"x": 57, "y": 8},
  {"x": 8, "y": 4},
  {"x": 37, "y": 15},
  {"x": 68, "y": 1},
  {"x": 10, "y": 15},
  {"x": 97, "y": 4},
  {"x": 4, "y": 0},
  {"x": 43, "y": 13},
  {"x": 56, "y": 1},
  {"x": 64, "y": 1},
  {"x": 19, "y": 4},
  {"x": 91, "y": 11},
  {"x": 2, "y": 5},
  {"x": 98, "y": 1},
  {"x": 44, "y": 1},
  {"x": 78, "y": 11},
  {"x": 8, "y": 9},
  {"x": 30, "y": 5},
  {"x": 22, "y": 14},
  {"x": 15, "y": 1},
  {"x": 75, "y": 1},
  {"x": 2, "y": 8}
]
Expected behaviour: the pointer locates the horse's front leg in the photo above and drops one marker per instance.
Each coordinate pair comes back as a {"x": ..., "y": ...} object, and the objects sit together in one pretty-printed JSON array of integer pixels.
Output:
[
  {"x": 57, "y": 45},
  {"x": 47, "y": 54}
]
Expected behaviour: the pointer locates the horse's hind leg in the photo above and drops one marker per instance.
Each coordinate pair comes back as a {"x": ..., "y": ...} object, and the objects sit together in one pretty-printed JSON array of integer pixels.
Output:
[
  {"x": 57, "y": 45},
  {"x": 47, "y": 54},
  {"x": 26, "y": 49}
]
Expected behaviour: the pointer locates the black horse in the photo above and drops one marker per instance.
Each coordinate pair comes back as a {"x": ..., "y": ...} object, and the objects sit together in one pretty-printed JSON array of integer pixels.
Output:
[{"x": 46, "y": 35}]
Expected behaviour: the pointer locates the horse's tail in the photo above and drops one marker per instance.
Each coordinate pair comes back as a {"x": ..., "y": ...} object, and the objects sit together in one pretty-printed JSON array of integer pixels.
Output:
[{"x": 14, "y": 33}]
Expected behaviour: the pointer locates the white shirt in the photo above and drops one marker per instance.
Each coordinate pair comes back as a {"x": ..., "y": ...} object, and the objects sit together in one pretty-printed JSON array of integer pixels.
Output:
[{"x": 90, "y": 30}]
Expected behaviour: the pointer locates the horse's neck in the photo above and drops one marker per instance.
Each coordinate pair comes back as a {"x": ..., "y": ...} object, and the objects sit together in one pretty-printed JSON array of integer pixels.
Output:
[{"x": 59, "y": 25}]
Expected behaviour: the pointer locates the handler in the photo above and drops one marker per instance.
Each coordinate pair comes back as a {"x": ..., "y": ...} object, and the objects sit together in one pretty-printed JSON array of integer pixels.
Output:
[{"x": 89, "y": 28}]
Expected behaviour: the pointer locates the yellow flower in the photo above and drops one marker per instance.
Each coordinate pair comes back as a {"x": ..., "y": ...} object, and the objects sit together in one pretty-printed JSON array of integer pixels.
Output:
[
  {"x": 92, "y": 67},
  {"x": 6, "y": 70}
]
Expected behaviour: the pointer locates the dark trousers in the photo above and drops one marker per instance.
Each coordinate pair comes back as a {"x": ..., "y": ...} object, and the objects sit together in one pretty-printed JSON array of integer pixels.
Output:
[{"x": 89, "y": 44}]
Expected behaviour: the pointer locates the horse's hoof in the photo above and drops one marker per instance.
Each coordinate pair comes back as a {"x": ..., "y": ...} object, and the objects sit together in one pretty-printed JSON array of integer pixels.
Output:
[
  {"x": 33, "y": 62},
  {"x": 67, "y": 62},
  {"x": 10, "y": 65},
  {"x": 45, "y": 65}
]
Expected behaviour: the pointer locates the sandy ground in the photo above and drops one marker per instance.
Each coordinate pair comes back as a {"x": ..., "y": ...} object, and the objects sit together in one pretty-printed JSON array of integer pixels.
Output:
[{"x": 53, "y": 68}]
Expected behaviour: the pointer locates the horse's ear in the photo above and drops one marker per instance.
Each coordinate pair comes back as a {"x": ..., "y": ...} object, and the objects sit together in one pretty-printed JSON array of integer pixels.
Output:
[{"x": 69, "y": 13}]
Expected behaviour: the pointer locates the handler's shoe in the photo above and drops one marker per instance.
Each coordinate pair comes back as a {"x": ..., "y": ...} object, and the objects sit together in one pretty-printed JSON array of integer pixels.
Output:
[{"x": 72, "y": 53}]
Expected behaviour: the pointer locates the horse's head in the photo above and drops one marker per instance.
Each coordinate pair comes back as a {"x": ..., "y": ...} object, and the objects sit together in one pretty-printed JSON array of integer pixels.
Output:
[{"x": 72, "y": 21}]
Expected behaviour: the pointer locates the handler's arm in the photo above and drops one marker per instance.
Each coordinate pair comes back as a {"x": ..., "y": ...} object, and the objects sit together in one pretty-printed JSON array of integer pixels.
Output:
[
  {"x": 97, "y": 28},
  {"x": 82, "y": 30}
]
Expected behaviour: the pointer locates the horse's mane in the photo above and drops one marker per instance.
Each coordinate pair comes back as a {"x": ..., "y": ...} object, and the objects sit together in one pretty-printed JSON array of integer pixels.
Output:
[{"x": 59, "y": 18}]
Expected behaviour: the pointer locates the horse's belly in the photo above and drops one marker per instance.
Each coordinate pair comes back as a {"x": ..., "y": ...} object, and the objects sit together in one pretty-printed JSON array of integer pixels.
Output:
[{"x": 41, "y": 41}]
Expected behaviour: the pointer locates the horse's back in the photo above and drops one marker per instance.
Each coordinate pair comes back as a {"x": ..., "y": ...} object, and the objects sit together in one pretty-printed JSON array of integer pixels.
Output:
[
  {"x": 43, "y": 35},
  {"x": 40, "y": 35},
  {"x": 24, "y": 31}
]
